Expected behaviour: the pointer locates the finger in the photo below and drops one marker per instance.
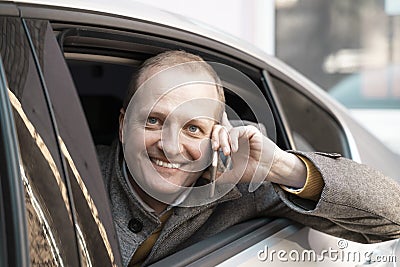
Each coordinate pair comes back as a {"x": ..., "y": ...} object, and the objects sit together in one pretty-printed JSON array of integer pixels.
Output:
[
  {"x": 224, "y": 141},
  {"x": 215, "y": 136},
  {"x": 228, "y": 163},
  {"x": 236, "y": 133},
  {"x": 225, "y": 122}
]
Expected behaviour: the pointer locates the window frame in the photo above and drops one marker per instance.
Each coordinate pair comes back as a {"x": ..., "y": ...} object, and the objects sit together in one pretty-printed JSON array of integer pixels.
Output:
[
  {"x": 208, "y": 54},
  {"x": 347, "y": 150},
  {"x": 90, "y": 35}
]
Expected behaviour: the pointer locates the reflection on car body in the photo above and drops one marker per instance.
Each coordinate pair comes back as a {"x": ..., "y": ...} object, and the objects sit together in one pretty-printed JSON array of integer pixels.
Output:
[{"x": 41, "y": 236}]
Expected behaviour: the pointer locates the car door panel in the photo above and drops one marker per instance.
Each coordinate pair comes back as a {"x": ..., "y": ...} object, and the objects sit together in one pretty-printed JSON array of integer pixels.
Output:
[
  {"x": 94, "y": 225},
  {"x": 14, "y": 249},
  {"x": 50, "y": 228}
]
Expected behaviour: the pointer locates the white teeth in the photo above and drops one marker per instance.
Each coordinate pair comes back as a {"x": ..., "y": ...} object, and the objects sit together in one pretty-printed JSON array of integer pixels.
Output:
[{"x": 166, "y": 164}]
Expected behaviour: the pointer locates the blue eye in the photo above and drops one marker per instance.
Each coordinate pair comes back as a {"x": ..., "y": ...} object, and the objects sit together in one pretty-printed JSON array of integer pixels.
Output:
[
  {"x": 152, "y": 120},
  {"x": 193, "y": 128}
]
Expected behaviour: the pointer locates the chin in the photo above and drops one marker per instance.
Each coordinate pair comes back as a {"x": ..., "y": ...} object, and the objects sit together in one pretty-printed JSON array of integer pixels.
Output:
[
  {"x": 163, "y": 191},
  {"x": 170, "y": 190},
  {"x": 167, "y": 190}
]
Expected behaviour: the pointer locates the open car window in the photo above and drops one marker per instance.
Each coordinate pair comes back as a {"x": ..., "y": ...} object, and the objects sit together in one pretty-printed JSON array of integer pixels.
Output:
[{"x": 103, "y": 62}]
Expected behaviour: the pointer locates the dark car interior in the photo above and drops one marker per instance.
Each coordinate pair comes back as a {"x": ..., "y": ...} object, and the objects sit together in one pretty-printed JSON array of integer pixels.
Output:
[{"x": 101, "y": 89}]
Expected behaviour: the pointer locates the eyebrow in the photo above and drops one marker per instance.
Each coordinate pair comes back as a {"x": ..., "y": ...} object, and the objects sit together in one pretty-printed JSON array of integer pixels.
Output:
[
  {"x": 156, "y": 114},
  {"x": 144, "y": 112},
  {"x": 201, "y": 120}
]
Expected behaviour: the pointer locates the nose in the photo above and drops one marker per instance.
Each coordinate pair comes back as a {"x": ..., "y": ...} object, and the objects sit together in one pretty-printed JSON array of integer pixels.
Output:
[{"x": 169, "y": 141}]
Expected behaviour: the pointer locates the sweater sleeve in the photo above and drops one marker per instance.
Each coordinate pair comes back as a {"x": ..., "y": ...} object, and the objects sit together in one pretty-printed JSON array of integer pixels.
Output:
[{"x": 314, "y": 183}]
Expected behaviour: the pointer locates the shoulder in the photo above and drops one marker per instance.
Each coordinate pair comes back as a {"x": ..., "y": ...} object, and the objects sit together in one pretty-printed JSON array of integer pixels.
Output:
[
  {"x": 107, "y": 156},
  {"x": 103, "y": 153}
]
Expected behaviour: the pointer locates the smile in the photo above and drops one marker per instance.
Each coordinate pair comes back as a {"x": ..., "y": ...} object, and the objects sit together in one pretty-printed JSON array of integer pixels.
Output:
[{"x": 166, "y": 164}]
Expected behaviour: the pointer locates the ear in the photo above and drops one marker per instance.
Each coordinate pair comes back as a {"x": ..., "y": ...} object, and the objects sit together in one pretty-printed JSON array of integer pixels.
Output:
[{"x": 121, "y": 124}]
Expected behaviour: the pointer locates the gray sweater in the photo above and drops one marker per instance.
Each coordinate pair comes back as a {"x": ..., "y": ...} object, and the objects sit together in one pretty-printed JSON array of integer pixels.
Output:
[{"x": 357, "y": 203}]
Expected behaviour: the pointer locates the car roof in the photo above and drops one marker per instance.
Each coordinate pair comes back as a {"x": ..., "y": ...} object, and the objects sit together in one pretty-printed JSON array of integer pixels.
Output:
[
  {"x": 154, "y": 15},
  {"x": 144, "y": 12}
]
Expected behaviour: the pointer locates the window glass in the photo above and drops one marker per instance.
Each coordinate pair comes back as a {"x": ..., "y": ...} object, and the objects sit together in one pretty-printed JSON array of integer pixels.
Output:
[
  {"x": 48, "y": 210},
  {"x": 351, "y": 49},
  {"x": 358, "y": 62},
  {"x": 94, "y": 225},
  {"x": 312, "y": 128}
]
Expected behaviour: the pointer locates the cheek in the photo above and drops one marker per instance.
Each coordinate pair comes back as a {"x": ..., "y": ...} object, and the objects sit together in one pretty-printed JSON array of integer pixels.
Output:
[
  {"x": 198, "y": 149},
  {"x": 150, "y": 138},
  {"x": 141, "y": 139}
]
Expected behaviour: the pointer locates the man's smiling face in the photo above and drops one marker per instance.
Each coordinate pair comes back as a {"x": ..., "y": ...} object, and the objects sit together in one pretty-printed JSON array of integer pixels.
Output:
[{"x": 167, "y": 129}]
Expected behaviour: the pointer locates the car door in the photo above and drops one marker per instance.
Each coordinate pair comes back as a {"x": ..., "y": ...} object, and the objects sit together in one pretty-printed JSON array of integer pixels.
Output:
[
  {"x": 13, "y": 241},
  {"x": 93, "y": 222},
  {"x": 94, "y": 225},
  {"x": 66, "y": 205},
  {"x": 49, "y": 225}
]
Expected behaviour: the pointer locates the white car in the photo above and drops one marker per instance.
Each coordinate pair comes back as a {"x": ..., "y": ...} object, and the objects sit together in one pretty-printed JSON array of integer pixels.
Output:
[
  {"x": 373, "y": 98},
  {"x": 65, "y": 67}
]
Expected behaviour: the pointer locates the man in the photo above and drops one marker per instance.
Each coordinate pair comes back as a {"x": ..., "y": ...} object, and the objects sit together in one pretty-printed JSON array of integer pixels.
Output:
[{"x": 171, "y": 122}]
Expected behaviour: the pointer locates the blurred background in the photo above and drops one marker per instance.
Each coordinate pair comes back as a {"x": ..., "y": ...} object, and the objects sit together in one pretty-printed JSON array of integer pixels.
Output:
[{"x": 351, "y": 49}]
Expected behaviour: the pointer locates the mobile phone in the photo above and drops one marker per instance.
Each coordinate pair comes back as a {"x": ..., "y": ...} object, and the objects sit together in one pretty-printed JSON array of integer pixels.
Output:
[
  {"x": 214, "y": 168},
  {"x": 218, "y": 158}
]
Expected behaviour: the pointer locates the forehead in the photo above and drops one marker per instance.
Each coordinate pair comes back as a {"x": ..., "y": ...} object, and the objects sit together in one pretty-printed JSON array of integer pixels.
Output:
[{"x": 179, "y": 91}]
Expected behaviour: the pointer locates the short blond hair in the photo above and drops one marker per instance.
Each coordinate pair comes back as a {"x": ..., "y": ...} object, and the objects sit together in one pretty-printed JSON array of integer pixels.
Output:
[{"x": 170, "y": 59}]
